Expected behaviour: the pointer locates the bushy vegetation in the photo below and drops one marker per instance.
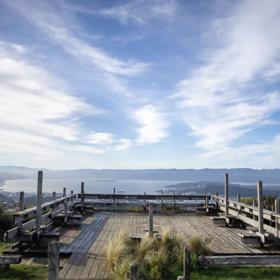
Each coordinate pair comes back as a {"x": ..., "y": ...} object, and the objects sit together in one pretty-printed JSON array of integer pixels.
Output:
[
  {"x": 157, "y": 259},
  {"x": 246, "y": 273},
  {"x": 6, "y": 221},
  {"x": 25, "y": 272}
]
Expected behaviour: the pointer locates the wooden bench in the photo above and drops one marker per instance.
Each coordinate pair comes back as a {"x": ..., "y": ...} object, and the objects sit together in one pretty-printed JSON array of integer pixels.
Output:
[
  {"x": 6, "y": 260},
  {"x": 72, "y": 219},
  {"x": 250, "y": 239},
  {"x": 219, "y": 221}
]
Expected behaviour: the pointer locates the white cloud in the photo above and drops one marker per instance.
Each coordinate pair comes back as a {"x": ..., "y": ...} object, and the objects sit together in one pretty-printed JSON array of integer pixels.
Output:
[
  {"x": 101, "y": 138},
  {"x": 61, "y": 29},
  {"x": 142, "y": 11},
  {"x": 123, "y": 144},
  {"x": 37, "y": 113},
  {"x": 153, "y": 124},
  {"x": 220, "y": 100},
  {"x": 88, "y": 149}
]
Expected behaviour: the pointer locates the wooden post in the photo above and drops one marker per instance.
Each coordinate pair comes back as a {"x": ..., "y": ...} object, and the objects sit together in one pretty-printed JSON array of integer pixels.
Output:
[
  {"x": 161, "y": 200},
  {"x": 254, "y": 203},
  {"x": 238, "y": 197},
  {"x": 54, "y": 195},
  {"x": 260, "y": 206},
  {"x": 82, "y": 194},
  {"x": 206, "y": 200},
  {"x": 72, "y": 199},
  {"x": 39, "y": 202},
  {"x": 174, "y": 202},
  {"x": 145, "y": 202},
  {"x": 151, "y": 220},
  {"x": 21, "y": 208},
  {"x": 53, "y": 260},
  {"x": 133, "y": 272},
  {"x": 114, "y": 198},
  {"x": 65, "y": 206},
  {"x": 226, "y": 194},
  {"x": 186, "y": 266},
  {"x": 21, "y": 201},
  {"x": 277, "y": 210}
]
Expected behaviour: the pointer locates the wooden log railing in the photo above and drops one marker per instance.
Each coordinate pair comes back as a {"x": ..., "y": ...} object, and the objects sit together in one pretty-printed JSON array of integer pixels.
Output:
[
  {"x": 26, "y": 220},
  {"x": 144, "y": 197},
  {"x": 245, "y": 213}
]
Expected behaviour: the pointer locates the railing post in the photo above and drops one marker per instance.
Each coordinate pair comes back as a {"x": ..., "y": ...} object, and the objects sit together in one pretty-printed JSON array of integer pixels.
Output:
[
  {"x": 226, "y": 194},
  {"x": 82, "y": 194},
  {"x": 174, "y": 202},
  {"x": 54, "y": 195},
  {"x": 114, "y": 198},
  {"x": 206, "y": 200},
  {"x": 277, "y": 211},
  {"x": 65, "y": 206},
  {"x": 145, "y": 202},
  {"x": 21, "y": 208},
  {"x": 72, "y": 198},
  {"x": 255, "y": 204},
  {"x": 21, "y": 201},
  {"x": 161, "y": 200},
  {"x": 186, "y": 266},
  {"x": 151, "y": 220},
  {"x": 238, "y": 197},
  {"x": 260, "y": 206},
  {"x": 39, "y": 202},
  {"x": 53, "y": 260},
  {"x": 133, "y": 272}
]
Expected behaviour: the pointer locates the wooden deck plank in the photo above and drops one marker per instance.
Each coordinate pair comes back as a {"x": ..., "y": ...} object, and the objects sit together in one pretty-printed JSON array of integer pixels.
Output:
[{"x": 89, "y": 258}]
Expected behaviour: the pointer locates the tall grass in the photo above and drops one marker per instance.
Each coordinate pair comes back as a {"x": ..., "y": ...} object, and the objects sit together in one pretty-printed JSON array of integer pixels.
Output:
[{"x": 157, "y": 259}]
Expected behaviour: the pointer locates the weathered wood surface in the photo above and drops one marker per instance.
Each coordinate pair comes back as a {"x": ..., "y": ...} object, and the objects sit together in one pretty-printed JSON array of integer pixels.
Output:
[
  {"x": 246, "y": 213},
  {"x": 89, "y": 243},
  {"x": 13, "y": 259},
  {"x": 145, "y": 196},
  {"x": 240, "y": 260}
]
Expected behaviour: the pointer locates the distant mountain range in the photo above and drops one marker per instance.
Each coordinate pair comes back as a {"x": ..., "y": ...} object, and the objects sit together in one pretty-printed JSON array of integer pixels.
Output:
[
  {"x": 244, "y": 175},
  {"x": 247, "y": 190}
]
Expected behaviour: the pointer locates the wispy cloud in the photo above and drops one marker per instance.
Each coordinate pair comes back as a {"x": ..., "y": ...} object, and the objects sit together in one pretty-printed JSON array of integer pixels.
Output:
[
  {"x": 142, "y": 11},
  {"x": 220, "y": 99},
  {"x": 37, "y": 111},
  {"x": 59, "y": 28},
  {"x": 153, "y": 124},
  {"x": 123, "y": 144},
  {"x": 102, "y": 138}
]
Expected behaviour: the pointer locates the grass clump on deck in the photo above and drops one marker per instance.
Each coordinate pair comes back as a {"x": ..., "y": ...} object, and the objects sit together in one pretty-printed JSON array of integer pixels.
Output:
[
  {"x": 156, "y": 259},
  {"x": 25, "y": 272}
]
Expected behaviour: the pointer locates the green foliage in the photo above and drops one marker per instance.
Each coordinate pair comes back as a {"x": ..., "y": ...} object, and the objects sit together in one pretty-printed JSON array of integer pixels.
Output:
[
  {"x": 24, "y": 272},
  {"x": 6, "y": 221},
  {"x": 198, "y": 247}
]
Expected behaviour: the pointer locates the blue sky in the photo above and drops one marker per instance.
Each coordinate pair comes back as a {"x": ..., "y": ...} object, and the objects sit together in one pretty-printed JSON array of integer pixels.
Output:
[{"x": 140, "y": 84}]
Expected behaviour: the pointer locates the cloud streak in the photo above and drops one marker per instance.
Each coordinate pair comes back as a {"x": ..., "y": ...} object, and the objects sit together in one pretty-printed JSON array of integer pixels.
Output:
[{"x": 220, "y": 101}]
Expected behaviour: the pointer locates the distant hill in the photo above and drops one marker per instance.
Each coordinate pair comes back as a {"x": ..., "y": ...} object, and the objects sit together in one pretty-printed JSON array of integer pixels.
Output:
[
  {"x": 213, "y": 187},
  {"x": 245, "y": 175}
]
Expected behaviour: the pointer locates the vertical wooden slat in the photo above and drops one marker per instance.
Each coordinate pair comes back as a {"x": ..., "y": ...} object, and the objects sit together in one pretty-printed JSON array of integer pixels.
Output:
[
  {"x": 151, "y": 220},
  {"x": 260, "y": 206},
  {"x": 226, "y": 194},
  {"x": 53, "y": 260},
  {"x": 39, "y": 202}
]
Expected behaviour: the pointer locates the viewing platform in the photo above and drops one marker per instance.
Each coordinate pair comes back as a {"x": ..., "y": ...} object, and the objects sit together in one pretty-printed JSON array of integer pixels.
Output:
[{"x": 71, "y": 233}]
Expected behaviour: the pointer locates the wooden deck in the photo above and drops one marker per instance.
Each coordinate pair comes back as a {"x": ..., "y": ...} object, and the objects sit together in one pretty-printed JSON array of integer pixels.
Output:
[{"x": 88, "y": 243}]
